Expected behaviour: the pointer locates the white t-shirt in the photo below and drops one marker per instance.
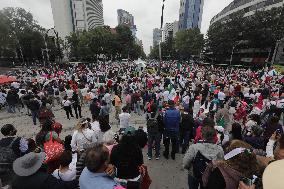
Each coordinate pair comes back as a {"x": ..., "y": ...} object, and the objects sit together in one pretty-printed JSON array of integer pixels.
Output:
[
  {"x": 95, "y": 126},
  {"x": 66, "y": 103},
  {"x": 69, "y": 175},
  {"x": 84, "y": 91},
  {"x": 107, "y": 98},
  {"x": 186, "y": 99},
  {"x": 69, "y": 93},
  {"x": 80, "y": 139},
  {"x": 221, "y": 96},
  {"x": 166, "y": 95},
  {"x": 124, "y": 120}
]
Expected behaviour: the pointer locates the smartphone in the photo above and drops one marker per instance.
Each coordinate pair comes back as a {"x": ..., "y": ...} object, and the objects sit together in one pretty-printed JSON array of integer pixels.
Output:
[{"x": 247, "y": 181}]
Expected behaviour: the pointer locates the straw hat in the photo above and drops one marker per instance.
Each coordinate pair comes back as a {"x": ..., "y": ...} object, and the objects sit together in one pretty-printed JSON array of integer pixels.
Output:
[
  {"x": 273, "y": 175},
  {"x": 28, "y": 164}
]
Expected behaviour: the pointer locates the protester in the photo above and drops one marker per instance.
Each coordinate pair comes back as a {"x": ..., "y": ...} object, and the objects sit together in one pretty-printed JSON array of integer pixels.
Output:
[
  {"x": 271, "y": 126},
  {"x": 45, "y": 113},
  {"x": 93, "y": 175},
  {"x": 235, "y": 98},
  {"x": 186, "y": 129},
  {"x": 199, "y": 154},
  {"x": 67, "y": 106},
  {"x": 76, "y": 105},
  {"x": 82, "y": 136},
  {"x": 124, "y": 119},
  {"x": 65, "y": 172},
  {"x": 11, "y": 147},
  {"x": 171, "y": 121},
  {"x": 12, "y": 100},
  {"x": 127, "y": 157},
  {"x": 95, "y": 109},
  {"x": 117, "y": 105},
  {"x": 104, "y": 111},
  {"x": 240, "y": 162},
  {"x": 34, "y": 106},
  {"x": 31, "y": 175},
  {"x": 154, "y": 134}
]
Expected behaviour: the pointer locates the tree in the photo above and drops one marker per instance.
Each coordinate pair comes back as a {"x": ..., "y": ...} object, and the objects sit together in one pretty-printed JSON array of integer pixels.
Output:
[
  {"x": 87, "y": 45},
  {"x": 259, "y": 31},
  {"x": 189, "y": 42},
  {"x": 21, "y": 36}
]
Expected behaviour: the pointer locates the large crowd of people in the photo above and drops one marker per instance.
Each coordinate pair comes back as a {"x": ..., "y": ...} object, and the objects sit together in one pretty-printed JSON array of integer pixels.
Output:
[{"x": 226, "y": 121}]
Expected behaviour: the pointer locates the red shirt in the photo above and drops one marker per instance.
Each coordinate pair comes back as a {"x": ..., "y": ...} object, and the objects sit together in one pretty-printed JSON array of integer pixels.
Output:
[{"x": 198, "y": 135}]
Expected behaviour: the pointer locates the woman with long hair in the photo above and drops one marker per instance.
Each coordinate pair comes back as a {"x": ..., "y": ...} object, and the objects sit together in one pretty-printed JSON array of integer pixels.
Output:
[
  {"x": 236, "y": 133},
  {"x": 240, "y": 162},
  {"x": 127, "y": 157}
]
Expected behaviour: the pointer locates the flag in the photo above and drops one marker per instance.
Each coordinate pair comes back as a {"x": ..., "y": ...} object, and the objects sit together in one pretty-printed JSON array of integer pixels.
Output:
[{"x": 178, "y": 66}]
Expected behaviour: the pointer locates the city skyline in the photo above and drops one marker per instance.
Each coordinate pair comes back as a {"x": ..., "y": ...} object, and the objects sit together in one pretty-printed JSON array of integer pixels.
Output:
[{"x": 146, "y": 17}]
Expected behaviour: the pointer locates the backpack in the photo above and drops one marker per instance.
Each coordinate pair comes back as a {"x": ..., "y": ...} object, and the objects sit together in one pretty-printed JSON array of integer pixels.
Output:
[
  {"x": 45, "y": 114},
  {"x": 152, "y": 124},
  {"x": 56, "y": 92},
  {"x": 199, "y": 165},
  {"x": 7, "y": 157}
]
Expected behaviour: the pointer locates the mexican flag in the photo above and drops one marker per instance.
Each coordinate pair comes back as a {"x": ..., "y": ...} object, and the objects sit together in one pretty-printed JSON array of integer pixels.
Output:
[{"x": 178, "y": 65}]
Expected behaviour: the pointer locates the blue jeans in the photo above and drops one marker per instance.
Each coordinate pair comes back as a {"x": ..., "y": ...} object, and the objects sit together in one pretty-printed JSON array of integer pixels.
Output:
[
  {"x": 11, "y": 108},
  {"x": 34, "y": 116},
  {"x": 171, "y": 137},
  {"x": 184, "y": 140},
  {"x": 156, "y": 139},
  {"x": 137, "y": 108}
]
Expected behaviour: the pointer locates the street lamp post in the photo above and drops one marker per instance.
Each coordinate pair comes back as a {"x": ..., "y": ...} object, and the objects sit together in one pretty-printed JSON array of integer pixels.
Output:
[
  {"x": 160, "y": 48},
  {"x": 46, "y": 49},
  {"x": 231, "y": 60},
  {"x": 56, "y": 42}
]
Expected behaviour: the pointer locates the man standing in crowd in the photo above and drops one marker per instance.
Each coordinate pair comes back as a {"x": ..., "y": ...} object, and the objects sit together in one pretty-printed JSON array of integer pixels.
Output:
[
  {"x": 154, "y": 130},
  {"x": 12, "y": 100},
  {"x": 11, "y": 147},
  {"x": 171, "y": 121},
  {"x": 186, "y": 129},
  {"x": 198, "y": 155},
  {"x": 34, "y": 106},
  {"x": 93, "y": 175},
  {"x": 124, "y": 118},
  {"x": 117, "y": 105}
]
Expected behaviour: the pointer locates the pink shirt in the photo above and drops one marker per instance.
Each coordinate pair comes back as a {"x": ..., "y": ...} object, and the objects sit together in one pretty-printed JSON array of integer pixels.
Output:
[{"x": 128, "y": 99}]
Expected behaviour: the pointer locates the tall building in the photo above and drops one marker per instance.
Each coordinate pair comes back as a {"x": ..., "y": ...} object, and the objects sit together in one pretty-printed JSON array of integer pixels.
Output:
[
  {"x": 190, "y": 14},
  {"x": 157, "y": 36},
  {"x": 126, "y": 19},
  {"x": 248, "y": 7},
  {"x": 62, "y": 16},
  {"x": 74, "y": 15},
  {"x": 170, "y": 30},
  {"x": 175, "y": 27}
]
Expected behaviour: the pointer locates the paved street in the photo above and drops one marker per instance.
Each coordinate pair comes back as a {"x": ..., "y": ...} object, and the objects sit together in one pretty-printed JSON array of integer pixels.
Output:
[{"x": 164, "y": 173}]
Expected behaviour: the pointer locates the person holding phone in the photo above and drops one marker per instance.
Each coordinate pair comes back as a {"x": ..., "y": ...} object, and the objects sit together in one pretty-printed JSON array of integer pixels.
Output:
[
  {"x": 242, "y": 185},
  {"x": 239, "y": 162}
]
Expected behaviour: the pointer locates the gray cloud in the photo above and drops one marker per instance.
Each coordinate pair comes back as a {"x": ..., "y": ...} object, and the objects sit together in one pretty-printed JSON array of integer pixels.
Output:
[{"x": 146, "y": 13}]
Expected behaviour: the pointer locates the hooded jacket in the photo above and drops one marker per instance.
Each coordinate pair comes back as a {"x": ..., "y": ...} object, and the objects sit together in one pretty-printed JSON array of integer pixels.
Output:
[{"x": 208, "y": 150}]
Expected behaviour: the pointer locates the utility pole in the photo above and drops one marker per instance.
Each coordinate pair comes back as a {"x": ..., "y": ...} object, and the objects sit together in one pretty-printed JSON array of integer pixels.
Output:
[
  {"x": 46, "y": 50},
  {"x": 160, "y": 48}
]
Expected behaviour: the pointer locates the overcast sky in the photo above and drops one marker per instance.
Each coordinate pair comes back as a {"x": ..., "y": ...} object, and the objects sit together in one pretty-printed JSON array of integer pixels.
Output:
[{"x": 146, "y": 13}]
